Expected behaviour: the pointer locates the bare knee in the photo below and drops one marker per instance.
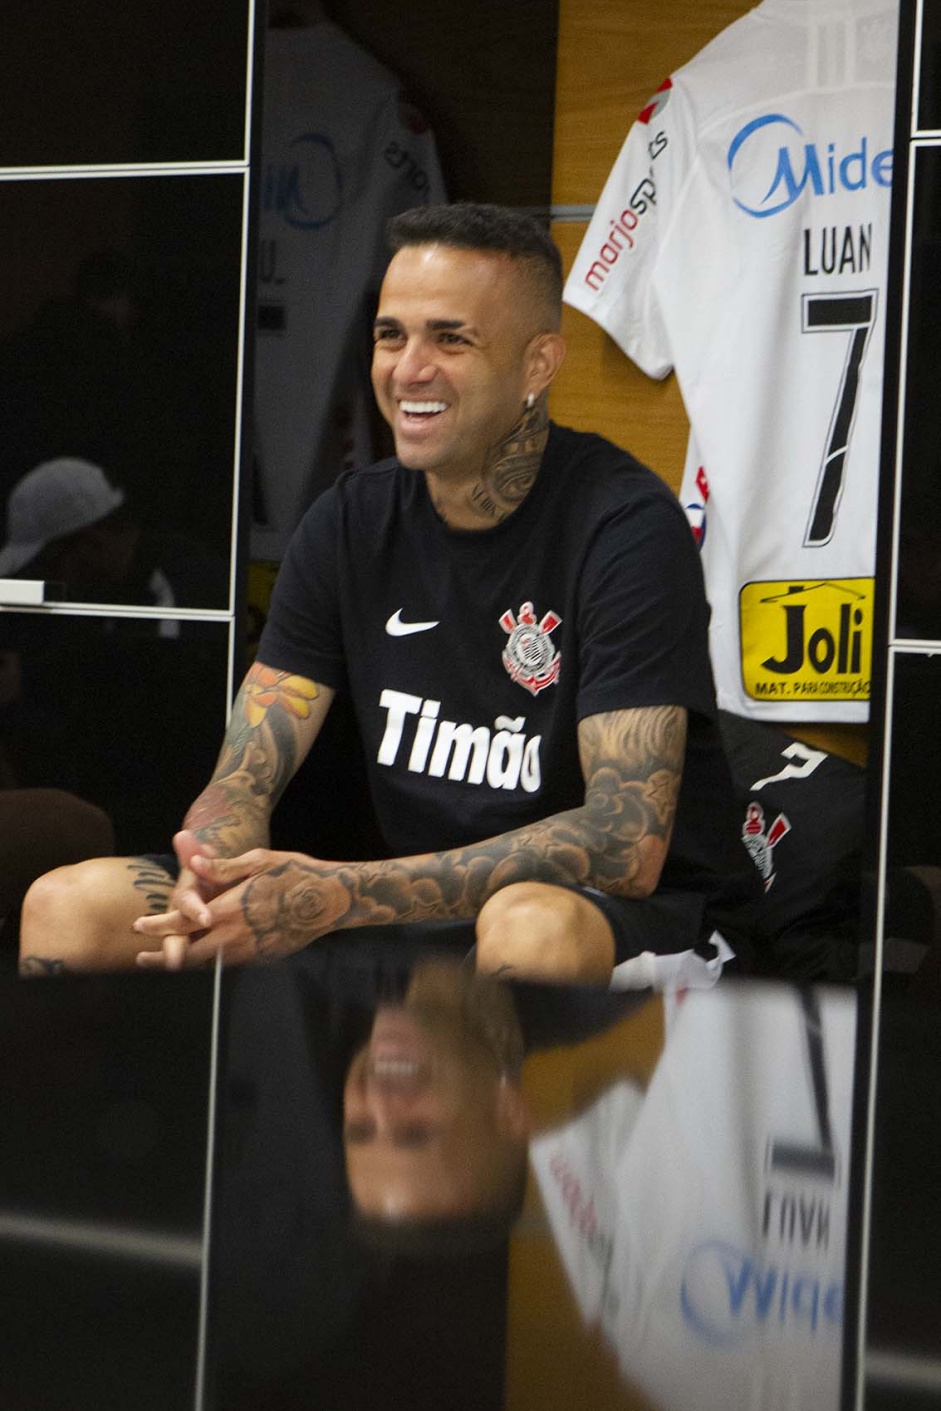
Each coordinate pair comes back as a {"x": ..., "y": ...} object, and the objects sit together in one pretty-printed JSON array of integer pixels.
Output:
[
  {"x": 540, "y": 932},
  {"x": 79, "y": 918}
]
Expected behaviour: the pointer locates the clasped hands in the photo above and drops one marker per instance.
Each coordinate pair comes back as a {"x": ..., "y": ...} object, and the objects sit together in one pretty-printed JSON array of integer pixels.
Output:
[{"x": 238, "y": 907}]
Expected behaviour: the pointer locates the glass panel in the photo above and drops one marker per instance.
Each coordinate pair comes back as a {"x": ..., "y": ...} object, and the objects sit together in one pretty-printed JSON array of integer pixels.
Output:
[
  {"x": 102, "y": 1171},
  {"x": 119, "y": 326},
  {"x": 145, "y": 81},
  {"x": 124, "y": 713},
  {"x": 919, "y": 581},
  {"x": 929, "y": 77},
  {"x": 442, "y": 1191},
  {"x": 904, "y": 1306}
]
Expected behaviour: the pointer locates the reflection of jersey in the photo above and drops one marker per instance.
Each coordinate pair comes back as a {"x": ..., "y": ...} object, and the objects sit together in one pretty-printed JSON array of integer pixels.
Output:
[
  {"x": 341, "y": 152},
  {"x": 703, "y": 1224},
  {"x": 742, "y": 238}
]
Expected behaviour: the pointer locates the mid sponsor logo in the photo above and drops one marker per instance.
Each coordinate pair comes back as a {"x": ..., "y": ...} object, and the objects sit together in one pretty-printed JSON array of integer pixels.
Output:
[
  {"x": 306, "y": 188},
  {"x": 771, "y": 165},
  {"x": 807, "y": 641},
  {"x": 728, "y": 1297}
]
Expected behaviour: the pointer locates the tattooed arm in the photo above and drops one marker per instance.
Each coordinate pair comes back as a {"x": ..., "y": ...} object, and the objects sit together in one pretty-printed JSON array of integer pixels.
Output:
[
  {"x": 275, "y": 720},
  {"x": 616, "y": 840}
]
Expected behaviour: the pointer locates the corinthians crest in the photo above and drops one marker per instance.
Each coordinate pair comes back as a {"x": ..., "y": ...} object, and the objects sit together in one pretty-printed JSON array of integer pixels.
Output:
[
  {"x": 760, "y": 841},
  {"x": 529, "y": 655}
]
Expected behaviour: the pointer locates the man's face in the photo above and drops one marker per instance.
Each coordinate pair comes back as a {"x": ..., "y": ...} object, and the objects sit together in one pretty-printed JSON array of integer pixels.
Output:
[
  {"x": 422, "y": 1119},
  {"x": 450, "y": 356}
]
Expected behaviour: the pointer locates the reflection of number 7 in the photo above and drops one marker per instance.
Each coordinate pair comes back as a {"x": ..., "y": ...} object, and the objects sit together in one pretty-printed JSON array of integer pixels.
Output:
[
  {"x": 837, "y": 313},
  {"x": 818, "y": 1159}
]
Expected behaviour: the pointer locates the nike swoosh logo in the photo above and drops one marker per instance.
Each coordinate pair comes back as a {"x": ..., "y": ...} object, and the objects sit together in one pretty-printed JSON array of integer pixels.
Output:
[{"x": 397, "y": 628}]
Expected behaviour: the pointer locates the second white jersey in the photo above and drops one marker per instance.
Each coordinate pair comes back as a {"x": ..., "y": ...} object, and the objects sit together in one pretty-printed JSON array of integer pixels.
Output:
[
  {"x": 702, "y": 1224},
  {"x": 342, "y": 151},
  {"x": 742, "y": 239}
]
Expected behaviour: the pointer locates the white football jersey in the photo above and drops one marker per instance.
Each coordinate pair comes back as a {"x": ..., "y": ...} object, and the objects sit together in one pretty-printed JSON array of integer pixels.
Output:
[
  {"x": 702, "y": 1224},
  {"x": 742, "y": 239},
  {"x": 341, "y": 152}
]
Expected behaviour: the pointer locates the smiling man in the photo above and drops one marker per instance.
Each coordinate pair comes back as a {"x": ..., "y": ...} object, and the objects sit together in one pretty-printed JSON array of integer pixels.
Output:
[
  {"x": 517, "y": 612},
  {"x": 435, "y": 1123}
]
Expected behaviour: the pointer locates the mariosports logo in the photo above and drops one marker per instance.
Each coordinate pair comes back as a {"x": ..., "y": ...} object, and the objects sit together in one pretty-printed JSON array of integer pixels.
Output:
[
  {"x": 619, "y": 236},
  {"x": 771, "y": 165}
]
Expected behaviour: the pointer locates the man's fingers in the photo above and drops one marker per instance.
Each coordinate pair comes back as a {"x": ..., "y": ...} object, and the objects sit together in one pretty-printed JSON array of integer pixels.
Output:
[
  {"x": 191, "y": 914},
  {"x": 178, "y": 953},
  {"x": 224, "y": 871},
  {"x": 170, "y": 956},
  {"x": 186, "y": 845}
]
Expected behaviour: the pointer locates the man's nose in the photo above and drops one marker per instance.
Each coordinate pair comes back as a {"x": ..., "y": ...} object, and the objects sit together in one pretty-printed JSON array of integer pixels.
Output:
[{"x": 415, "y": 363}]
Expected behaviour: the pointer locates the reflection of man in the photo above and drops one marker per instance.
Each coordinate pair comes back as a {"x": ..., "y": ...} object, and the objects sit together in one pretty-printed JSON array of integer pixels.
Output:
[
  {"x": 435, "y": 1125},
  {"x": 518, "y": 614},
  {"x": 68, "y": 525},
  {"x": 68, "y": 377}
]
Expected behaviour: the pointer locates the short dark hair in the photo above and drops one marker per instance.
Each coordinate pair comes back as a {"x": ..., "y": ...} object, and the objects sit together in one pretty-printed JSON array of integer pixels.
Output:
[{"x": 468, "y": 225}]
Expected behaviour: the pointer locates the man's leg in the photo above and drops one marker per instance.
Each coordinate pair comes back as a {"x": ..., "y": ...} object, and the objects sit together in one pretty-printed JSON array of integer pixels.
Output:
[
  {"x": 535, "y": 931},
  {"x": 45, "y": 828},
  {"x": 539, "y": 931},
  {"x": 79, "y": 918}
]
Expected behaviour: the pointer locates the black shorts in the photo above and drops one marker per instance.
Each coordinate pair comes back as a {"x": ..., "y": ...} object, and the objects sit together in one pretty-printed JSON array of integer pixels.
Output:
[{"x": 665, "y": 923}]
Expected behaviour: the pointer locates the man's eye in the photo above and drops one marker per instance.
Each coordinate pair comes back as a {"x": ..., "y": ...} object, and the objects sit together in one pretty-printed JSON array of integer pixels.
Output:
[
  {"x": 452, "y": 338},
  {"x": 386, "y": 335},
  {"x": 357, "y": 1133},
  {"x": 413, "y": 1136}
]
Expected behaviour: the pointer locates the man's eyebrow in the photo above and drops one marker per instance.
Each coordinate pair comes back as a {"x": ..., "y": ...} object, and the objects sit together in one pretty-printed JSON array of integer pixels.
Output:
[{"x": 434, "y": 325}]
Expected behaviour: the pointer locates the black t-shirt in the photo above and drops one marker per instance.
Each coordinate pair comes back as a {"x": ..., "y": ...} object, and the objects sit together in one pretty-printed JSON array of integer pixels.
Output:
[{"x": 471, "y": 656}]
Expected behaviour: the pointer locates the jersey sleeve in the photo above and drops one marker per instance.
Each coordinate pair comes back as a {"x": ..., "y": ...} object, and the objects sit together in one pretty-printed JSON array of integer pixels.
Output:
[
  {"x": 643, "y": 616},
  {"x": 613, "y": 277},
  {"x": 303, "y": 632}
]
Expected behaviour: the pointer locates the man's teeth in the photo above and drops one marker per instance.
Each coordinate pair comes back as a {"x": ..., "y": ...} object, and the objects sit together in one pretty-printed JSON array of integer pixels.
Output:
[{"x": 423, "y": 408}]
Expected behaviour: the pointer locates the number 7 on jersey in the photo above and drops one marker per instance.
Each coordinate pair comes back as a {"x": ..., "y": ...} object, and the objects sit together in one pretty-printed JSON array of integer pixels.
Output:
[{"x": 854, "y": 314}]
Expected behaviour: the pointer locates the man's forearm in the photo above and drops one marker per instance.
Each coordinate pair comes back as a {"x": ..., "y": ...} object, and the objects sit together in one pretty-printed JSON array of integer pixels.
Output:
[
  {"x": 274, "y": 718},
  {"x": 227, "y": 819},
  {"x": 322, "y": 896},
  {"x": 617, "y": 850}
]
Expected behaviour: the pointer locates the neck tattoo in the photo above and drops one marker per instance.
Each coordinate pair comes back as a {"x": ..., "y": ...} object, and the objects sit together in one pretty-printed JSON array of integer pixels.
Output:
[{"x": 512, "y": 465}]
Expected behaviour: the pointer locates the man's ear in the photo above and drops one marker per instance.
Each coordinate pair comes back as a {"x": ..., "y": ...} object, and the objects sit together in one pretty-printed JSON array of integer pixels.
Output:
[
  {"x": 514, "y": 1118},
  {"x": 545, "y": 356}
]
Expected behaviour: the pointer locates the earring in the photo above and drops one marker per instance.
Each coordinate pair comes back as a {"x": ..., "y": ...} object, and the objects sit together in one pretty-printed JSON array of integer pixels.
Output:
[{"x": 530, "y": 401}]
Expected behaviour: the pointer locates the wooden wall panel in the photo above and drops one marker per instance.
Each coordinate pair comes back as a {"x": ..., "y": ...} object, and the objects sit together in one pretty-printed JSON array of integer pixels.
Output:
[
  {"x": 613, "y": 54},
  {"x": 600, "y": 389}
]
